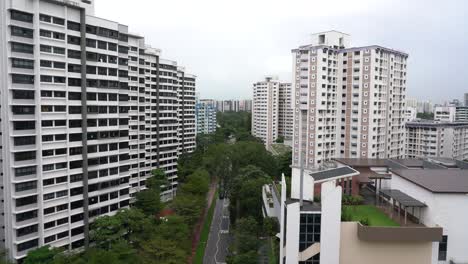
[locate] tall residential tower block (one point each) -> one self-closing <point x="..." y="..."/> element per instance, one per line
<point x="348" y="102"/>
<point x="271" y="110"/>
<point x="88" y="110"/>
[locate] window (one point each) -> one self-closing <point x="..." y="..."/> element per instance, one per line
<point x="23" y="110"/>
<point x="74" y="40"/>
<point x="26" y="230"/>
<point x="59" y="65"/>
<point x="26" y="155"/>
<point x="46" y="48"/>
<point x="46" y="78"/>
<point x="73" y="26"/>
<point x="26" y="216"/>
<point x="46" y="64"/>
<point x="27" y="245"/>
<point x="45" y="18"/>
<point x="45" y="33"/>
<point x="23" y="141"/>
<point x="25" y="186"/>
<point x="26" y="200"/>
<point x="58" y="50"/>
<point x="74" y="68"/>
<point x="102" y="44"/>
<point x="25" y="171"/>
<point x="21" y="16"/>
<point x="58" y="21"/>
<point x="21" y="47"/>
<point x="23" y="94"/>
<point x="21" y="32"/>
<point x="443" y="248"/>
<point x="22" y="63"/>
<point x="74" y="54"/>
<point x="22" y="78"/>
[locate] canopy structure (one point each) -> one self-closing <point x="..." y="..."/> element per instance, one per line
<point x="404" y="201"/>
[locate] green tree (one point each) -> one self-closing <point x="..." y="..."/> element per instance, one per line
<point x="196" y="184"/>
<point x="245" y="193"/>
<point x="425" y="115"/>
<point x="149" y="201"/>
<point x="101" y="256"/>
<point x="284" y="165"/>
<point x="250" y="257"/>
<point x="175" y="228"/>
<point x="162" y="251"/>
<point x="270" y="226"/>
<point x="42" y="255"/>
<point x="189" y="207"/>
<point x="280" y="139"/>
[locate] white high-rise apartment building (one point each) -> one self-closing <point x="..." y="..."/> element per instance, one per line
<point x="348" y="102"/>
<point x="88" y="110"/>
<point x="271" y="110"/>
<point x="426" y="139"/>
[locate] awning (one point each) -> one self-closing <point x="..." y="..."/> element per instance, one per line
<point x="402" y="198"/>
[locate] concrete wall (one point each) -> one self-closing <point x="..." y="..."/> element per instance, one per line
<point x="355" y="251"/>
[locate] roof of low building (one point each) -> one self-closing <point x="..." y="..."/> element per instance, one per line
<point x="437" y="180"/>
<point x="330" y="174"/>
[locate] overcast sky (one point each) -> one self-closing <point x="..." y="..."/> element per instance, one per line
<point x="231" y="44"/>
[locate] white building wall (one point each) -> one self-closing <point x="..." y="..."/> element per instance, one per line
<point x="331" y="220"/>
<point x="444" y="210"/>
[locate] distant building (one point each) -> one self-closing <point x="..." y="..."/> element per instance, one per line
<point x="451" y="113"/>
<point x="444" y="113"/>
<point x="245" y="105"/>
<point x="420" y="106"/>
<point x="466" y="99"/>
<point x="205" y="114"/>
<point x="437" y="139"/>
<point x="233" y="105"/>
<point x="410" y="114"/>
<point x="271" y="110"/>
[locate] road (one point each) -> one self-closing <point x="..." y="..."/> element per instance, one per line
<point x="219" y="238"/>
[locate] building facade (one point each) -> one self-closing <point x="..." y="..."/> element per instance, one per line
<point x="244" y="105"/>
<point x="348" y="102"/>
<point x="88" y="110"/>
<point x="437" y="139"/>
<point x="271" y="110"/>
<point x="451" y="113"/>
<point x="410" y="114"/>
<point x="205" y="113"/>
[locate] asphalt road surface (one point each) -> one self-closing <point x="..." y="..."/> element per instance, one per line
<point x="219" y="238"/>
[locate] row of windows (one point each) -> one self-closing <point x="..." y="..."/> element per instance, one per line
<point x="51" y="19"/>
<point x="51" y="34"/>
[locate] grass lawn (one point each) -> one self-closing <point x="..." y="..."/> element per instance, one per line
<point x="280" y="148"/>
<point x="200" y="253"/>
<point x="375" y="216"/>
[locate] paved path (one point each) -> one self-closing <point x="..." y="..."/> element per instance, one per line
<point x="219" y="238"/>
<point x="201" y="221"/>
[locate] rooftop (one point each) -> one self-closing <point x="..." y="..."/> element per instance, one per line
<point x="335" y="173"/>
<point x="437" y="180"/>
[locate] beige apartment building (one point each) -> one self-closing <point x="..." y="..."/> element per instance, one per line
<point x="348" y="101"/>
<point x="271" y="110"/>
